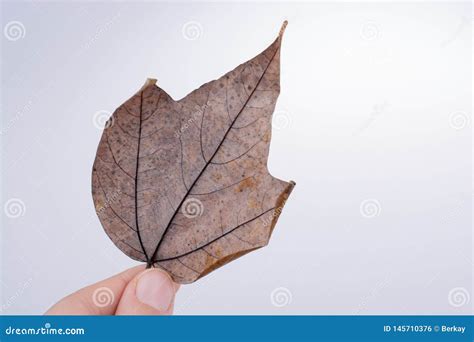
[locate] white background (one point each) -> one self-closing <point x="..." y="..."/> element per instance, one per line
<point x="375" y="105"/>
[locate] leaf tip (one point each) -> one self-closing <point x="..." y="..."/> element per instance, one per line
<point x="148" y="82"/>
<point x="283" y="28"/>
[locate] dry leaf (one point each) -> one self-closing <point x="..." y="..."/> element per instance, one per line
<point x="184" y="185"/>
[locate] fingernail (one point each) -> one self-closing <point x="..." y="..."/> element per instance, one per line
<point x="154" y="288"/>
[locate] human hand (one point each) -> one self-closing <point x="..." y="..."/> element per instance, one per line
<point x="135" y="291"/>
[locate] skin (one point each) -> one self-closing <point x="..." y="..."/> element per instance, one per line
<point x="136" y="291"/>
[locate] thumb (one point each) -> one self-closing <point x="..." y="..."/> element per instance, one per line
<point x="151" y="292"/>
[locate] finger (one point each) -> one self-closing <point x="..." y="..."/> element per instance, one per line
<point x="98" y="299"/>
<point x="151" y="292"/>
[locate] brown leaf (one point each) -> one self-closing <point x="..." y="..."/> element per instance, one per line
<point x="184" y="185"/>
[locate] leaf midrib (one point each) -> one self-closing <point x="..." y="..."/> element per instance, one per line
<point x="136" y="179"/>
<point x="150" y="261"/>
